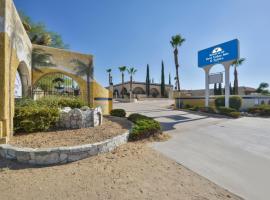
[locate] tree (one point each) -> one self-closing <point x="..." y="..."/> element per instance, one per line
<point x="236" y="63"/>
<point x="110" y="77"/>
<point x="83" y="69"/>
<point x="122" y="70"/>
<point x="263" y="88"/>
<point x="215" y="89"/>
<point x="231" y="89"/>
<point x="176" y="42"/>
<point x="147" y="82"/>
<point x="162" y="85"/>
<point x="39" y="34"/>
<point x="41" y="59"/>
<point x="219" y="89"/>
<point x="170" y="82"/>
<point x="131" y="71"/>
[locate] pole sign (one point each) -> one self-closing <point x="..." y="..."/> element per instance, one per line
<point x="215" y="78"/>
<point x="224" y="52"/>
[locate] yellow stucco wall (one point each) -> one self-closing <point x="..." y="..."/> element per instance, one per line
<point x="16" y="51"/>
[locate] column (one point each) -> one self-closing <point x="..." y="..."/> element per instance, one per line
<point x="206" y="70"/>
<point x="227" y="84"/>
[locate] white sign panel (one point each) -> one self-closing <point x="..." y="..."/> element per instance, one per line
<point x="215" y="78"/>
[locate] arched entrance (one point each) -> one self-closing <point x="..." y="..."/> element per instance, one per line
<point x="56" y="84"/>
<point x="22" y="81"/>
<point x="138" y="90"/>
<point x="154" y="92"/>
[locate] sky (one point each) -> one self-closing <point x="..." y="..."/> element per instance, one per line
<point x="135" y="33"/>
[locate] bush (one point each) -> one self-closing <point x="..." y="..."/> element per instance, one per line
<point x="234" y="114"/>
<point x="224" y="110"/>
<point x="195" y="108"/>
<point x="235" y="102"/>
<point x="61" y="102"/>
<point x="135" y="117"/>
<point x="145" y="128"/>
<point x="207" y="109"/>
<point x="187" y="106"/>
<point x="118" y="112"/>
<point x="262" y="110"/>
<point x="33" y="118"/>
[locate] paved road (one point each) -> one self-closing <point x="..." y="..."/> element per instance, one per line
<point x="234" y="154"/>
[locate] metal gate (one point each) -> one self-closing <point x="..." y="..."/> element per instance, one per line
<point x="56" y="84"/>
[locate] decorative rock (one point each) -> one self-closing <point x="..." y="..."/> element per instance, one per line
<point x="80" y="118"/>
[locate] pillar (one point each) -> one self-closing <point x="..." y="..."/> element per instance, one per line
<point x="227" y="84"/>
<point x="207" y="70"/>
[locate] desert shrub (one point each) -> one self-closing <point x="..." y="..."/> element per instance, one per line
<point x="118" y="112"/>
<point x="34" y="118"/>
<point x="145" y="128"/>
<point x="234" y="114"/>
<point x="135" y="117"/>
<point x="235" y="102"/>
<point x="262" y="110"/>
<point x="61" y="102"/>
<point x="187" y="106"/>
<point x="207" y="109"/>
<point x="195" y="108"/>
<point x="225" y="110"/>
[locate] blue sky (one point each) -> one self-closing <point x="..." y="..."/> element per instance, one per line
<point x="137" y="32"/>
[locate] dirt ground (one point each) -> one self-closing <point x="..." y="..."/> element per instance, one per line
<point x="133" y="171"/>
<point x="111" y="127"/>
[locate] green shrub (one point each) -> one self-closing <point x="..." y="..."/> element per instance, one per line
<point x="118" y="112"/>
<point x="135" y="117"/>
<point x="195" y="108"/>
<point x="235" y="102"/>
<point x="262" y="110"/>
<point x="145" y="128"/>
<point x="234" y="114"/>
<point x="187" y="106"/>
<point x="224" y="110"/>
<point x="207" y="109"/>
<point x="34" y="118"/>
<point x="61" y="102"/>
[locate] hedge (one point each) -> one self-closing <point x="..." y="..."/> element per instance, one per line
<point x="235" y="102"/>
<point x="33" y="118"/>
<point x="262" y="110"/>
<point x="144" y="127"/>
<point x="118" y="112"/>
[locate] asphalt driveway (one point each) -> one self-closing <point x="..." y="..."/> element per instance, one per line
<point x="233" y="153"/>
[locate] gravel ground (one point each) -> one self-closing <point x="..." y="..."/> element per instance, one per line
<point x="133" y="171"/>
<point x="111" y="127"/>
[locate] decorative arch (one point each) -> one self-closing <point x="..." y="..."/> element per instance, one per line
<point x="124" y="91"/>
<point x="138" y="90"/>
<point x="116" y="93"/>
<point x="154" y="92"/>
<point x="25" y="78"/>
<point x="38" y="75"/>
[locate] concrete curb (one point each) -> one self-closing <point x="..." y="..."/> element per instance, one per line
<point x="60" y="155"/>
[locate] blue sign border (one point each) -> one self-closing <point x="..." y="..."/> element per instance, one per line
<point x="220" y="53"/>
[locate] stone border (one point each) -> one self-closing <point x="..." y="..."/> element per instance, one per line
<point x="60" y="155"/>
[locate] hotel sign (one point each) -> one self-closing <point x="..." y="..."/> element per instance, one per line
<point x="224" y="52"/>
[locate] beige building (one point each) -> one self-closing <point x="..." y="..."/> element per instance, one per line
<point x="139" y="89"/>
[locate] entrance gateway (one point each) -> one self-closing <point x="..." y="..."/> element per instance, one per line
<point x="224" y="54"/>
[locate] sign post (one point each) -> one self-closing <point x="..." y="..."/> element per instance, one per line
<point x="224" y="54"/>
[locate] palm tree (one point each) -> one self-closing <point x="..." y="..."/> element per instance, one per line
<point x="176" y="42"/>
<point x="237" y="63"/>
<point x="110" y="77"/>
<point x="122" y="70"/>
<point x="41" y="59"/>
<point x="131" y="71"/>
<point x="82" y="70"/>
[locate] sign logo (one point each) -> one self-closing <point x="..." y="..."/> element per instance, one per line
<point x="227" y="51"/>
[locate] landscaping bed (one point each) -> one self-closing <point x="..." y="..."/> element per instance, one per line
<point x="111" y="127"/>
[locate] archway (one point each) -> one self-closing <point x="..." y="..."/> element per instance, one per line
<point x="56" y="84"/>
<point x="154" y="92"/>
<point x="124" y="91"/>
<point x="115" y="93"/>
<point x="22" y="81"/>
<point x="138" y="90"/>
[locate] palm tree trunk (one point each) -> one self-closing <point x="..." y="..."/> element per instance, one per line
<point x="176" y="68"/>
<point x="88" y="89"/>
<point x="122" y="85"/>
<point x="130" y="86"/>
<point x="235" y="81"/>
